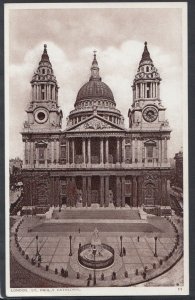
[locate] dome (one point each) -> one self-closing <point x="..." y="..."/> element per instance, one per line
<point x="95" y="89"/>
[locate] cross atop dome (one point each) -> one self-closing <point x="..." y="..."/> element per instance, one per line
<point x="94" y="68"/>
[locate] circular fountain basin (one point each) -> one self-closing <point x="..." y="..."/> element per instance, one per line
<point x="103" y="259"/>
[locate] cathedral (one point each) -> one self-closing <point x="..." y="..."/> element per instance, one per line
<point x="95" y="159"/>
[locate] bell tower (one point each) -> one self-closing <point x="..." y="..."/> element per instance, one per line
<point x="147" y="109"/>
<point x="43" y="111"/>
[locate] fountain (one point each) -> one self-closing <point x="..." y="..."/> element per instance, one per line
<point x="96" y="255"/>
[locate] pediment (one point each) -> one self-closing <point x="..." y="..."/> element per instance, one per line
<point x="95" y="123"/>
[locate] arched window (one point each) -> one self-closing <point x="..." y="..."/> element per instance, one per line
<point x="147" y="69"/>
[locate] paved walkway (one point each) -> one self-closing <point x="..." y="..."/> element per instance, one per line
<point x="55" y="250"/>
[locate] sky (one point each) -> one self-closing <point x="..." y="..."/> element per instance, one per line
<point x="71" y="35"/>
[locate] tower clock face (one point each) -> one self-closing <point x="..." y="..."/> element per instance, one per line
<point x="150" y="114"/>
<point x="41" y="116"/>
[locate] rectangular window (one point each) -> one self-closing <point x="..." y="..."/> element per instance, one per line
<point x="63" y="152"/>
<point x="150" y="151"/>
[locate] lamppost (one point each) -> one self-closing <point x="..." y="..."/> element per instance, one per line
<point x="155" y="250"/>
<point x="37" y="252"/>
<point x="94" y="277"/>
<point x="70" y="238"/>
<point x="121" y="238"/>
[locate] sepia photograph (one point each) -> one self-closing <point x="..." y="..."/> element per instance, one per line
<point x="96" y="149"/>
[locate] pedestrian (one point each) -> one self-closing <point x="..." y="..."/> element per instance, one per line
<point x="124" y="251"/>
<point x="88" y="282"/>
<point x="138" y="239"/>
<point x="79" y="230"/>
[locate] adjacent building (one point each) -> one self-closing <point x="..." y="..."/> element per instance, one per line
<point x="95" y="155"/>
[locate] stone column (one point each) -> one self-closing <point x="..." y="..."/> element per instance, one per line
<point x="83" y="150"/>
<point x="123" y="150"/>
<point x="118" y="191"/>
<point x="107" y="191"/>
<point x="164" y="191"/>
<point x="73" y="151"/>
<point x="136" y="91"/>
<point x="37" y="157"/>
<point x="45" y="152"/>
<point x="84" y="192"/>
<point x="101" y="191"/>
<point x="89" y="191"/>
<point x="123" y="192"/>
<point x="162" y="150"/>
<point x="165" y="150"/>
<point x="117" y="150"/>
<point x="67" y="152"/>
<point x="24" y="157"/>
<point x="101" y="151"/>
<point x="107" y="151"/>
<point x="158" y="88"/>
<point x="139" y="190"/>
<point x="37" y="92"/>
<point x="89" y="151"/>
<point x="156" y="95"/>
<point x="57" y="151"/>
<point x="134" y="191"/>
<point x="32" y="94"/>
<point x="153" y="91"/>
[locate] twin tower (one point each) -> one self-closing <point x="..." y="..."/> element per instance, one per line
<point x="105" y="162"/>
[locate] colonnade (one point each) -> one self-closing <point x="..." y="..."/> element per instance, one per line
<point x="142" y="88"/>
<point x="116" y="185"/>
<point x="49" y="92"/>
<point x="108" y="150"/>
<point x="104" y="145"/>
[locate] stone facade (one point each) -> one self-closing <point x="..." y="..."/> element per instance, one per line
<point x="95" y="155"/>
